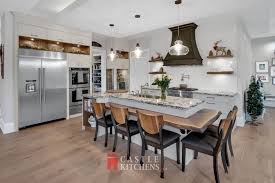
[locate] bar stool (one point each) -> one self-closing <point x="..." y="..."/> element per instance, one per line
<point x="153" y="134"/>
<point x="101" y="119"/>
<point x="124" y="126"/>
<point x="207" y="144"/>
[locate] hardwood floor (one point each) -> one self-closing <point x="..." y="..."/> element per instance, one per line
<point x="60" y="152"/>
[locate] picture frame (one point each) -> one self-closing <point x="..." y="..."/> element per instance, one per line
<point x="263" y="77"/>
<point x="272" y="71"/>
<point x="262" y="67"/>
<point x="273" y="81"/>
<point x="273" y="61"/>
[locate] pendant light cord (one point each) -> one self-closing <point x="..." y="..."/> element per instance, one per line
<point x="178" y="9"/>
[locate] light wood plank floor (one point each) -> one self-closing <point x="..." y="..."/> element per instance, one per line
<point x="60" y="152"/>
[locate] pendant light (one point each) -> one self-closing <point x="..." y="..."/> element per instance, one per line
<point x="138" y="50"/>
<point x="178" y="48"/>
<point x="112" y="54"/>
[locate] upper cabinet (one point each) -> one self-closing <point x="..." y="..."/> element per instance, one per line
<point x="53" y="35"/>
<point x="81" y="40"/>
<point x="32" y="31"/>
<point x="59" y="36"/>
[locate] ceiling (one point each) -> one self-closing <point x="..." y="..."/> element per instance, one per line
<point x="96" y="15"/>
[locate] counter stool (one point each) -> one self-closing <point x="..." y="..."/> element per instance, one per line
<point x="207" y="144"/>
<point x="153" y="134"/>
<point x="101" y="119"/>
<point x="124" y="126"/>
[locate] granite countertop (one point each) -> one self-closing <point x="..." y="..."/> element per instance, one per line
<point x="173" y="102"/>
<point x="204" y="91"/>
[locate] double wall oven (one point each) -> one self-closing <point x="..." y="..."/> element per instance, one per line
<point x="79" y="86"/>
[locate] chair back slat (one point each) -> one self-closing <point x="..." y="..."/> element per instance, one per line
<point x="151" y="124"/>
<point x="120" y="114"/>
<point x="98" y="109"/>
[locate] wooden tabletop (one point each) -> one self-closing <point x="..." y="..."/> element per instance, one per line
<point x="197" y="122"/>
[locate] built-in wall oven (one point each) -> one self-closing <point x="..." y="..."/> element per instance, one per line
<point x="79" y="77"/>
<point x="79" y="86"/>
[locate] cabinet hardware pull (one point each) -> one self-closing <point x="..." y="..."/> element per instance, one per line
<point x="210" y="103"/>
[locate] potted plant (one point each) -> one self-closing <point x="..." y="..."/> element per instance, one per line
<point x="255" y="106"/>
<point x="163" y="84"/>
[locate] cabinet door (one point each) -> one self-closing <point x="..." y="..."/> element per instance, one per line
<point x="59" y="36"/>
<point x="80" y="61"/>
<point x="32" y="31"/>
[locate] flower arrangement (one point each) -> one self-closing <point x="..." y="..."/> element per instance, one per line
<point x="163" y="84"/>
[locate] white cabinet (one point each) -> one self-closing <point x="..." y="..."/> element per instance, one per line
<point x="32" y="31"/>
<point x="79" y="61"/>
<point x="59" y="36"/>
<point x="82" y="40"/>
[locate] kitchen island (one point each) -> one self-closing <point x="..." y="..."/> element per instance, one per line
<point x="177" y="113"/>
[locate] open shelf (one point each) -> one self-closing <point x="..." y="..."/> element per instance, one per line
<point x="220" y="72"/>
<point x="222" y="56"/>
<point x="156" y="60"/>
<point x="157" y="72"/>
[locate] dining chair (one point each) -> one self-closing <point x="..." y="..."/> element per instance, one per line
<point x="153" y="134"/>
<point x="123" y="125"/>
<point x="207" y="144"/>
<point x="102" y="119"/>
<point x="213" y="131"/>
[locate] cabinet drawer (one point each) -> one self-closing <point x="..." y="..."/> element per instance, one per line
<point x="32" y="31"/>
<point x="213" y="98"/>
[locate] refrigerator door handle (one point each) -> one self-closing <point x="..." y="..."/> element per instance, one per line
<point x="43" y="86"/>
<point x="39" y="84"/>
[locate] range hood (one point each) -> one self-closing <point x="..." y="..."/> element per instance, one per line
<point x="187" y="35"/>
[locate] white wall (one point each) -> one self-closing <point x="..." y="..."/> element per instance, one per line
<point x="263" y="50"/>
<point x="8" y="92"/>
<point x="208" y="31"/>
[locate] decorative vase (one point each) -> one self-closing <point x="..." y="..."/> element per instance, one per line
<point x="163" y="94"/>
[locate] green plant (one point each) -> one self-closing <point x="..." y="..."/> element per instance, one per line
<point x="163" y="84"/>
<point x="254" y="99"/>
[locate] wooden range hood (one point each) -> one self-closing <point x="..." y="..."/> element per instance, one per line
<point x="187" y="35"/>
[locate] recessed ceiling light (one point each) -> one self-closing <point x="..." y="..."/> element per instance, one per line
<point x="32" y="39"/>
<point x="57" y="42"/>
<point x="78" y="45"/>
<point x="137" y="16"/>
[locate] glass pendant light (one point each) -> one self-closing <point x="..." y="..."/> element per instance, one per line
<point x="112" y="54"/>
<point x="138" y="50"/>
<point x="178" y="48"/>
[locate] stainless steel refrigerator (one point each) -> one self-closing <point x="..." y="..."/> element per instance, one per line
<point x="42" y="86"/>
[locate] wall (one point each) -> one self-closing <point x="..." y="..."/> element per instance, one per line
<point x="263" y="49"/>
<point x="7" y="85"/>
<point x="208" y="31"/>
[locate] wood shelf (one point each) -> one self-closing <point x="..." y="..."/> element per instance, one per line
<point x="222" y="56"/>
<point x="220" y="72"/>
<point x="157" y="72"/>
<point x="156" y="60"/>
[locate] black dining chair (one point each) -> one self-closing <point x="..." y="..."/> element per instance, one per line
<point x="153" y="134"/>
<point x="124" y="126"/>
<point x="102" y="119"/>
<point x="213" y="131"/>
<point x="207" y="144"/>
